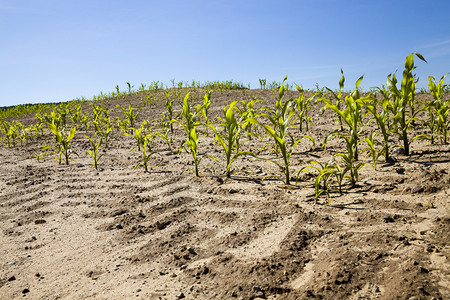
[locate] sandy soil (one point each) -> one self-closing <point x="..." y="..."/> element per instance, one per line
<point x="72" y="232"/>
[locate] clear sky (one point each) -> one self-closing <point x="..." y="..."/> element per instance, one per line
<point x="56" y="50"/>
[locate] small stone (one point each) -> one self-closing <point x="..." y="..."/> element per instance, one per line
<point x="119" y="226"/>
<point x="260" y="294"/>
<point x="400" y="170"/>
<point x="180" y="296"/>
<point x="39" y="221"/>
<point x="417" y="189"/>
<point x="192" y="251"/>
<point x="256" y="288"/>
<point x="377" y="289"/>
<point x="436" y="219"/>
<point x="388" y="219"/>
<point x="11" y="263"/>
<point x="12" y="278"/>
<point x="160" y="226"/>
<point x="232" y="191"/>
<point x="138" y="290"/>
<point x="25" y="291"/>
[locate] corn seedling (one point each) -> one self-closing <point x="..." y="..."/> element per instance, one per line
<point x="249" y="111"/>
<point x="383" y="122"/>
<point x="338" y="98"/>
<point x="352" y="117"/>
<point x="130" y="118"/>
<point x="281" y="119"/>
<point x="229" y="140"/>
<point x="130" y="88"/>
<point x="205" y="108"/>
<point x="439" y="108"/>
<point x="301" y="108"/>
<point x="168" y="115"/>
<point x="139" y="135"/>
<point x="189" y="121"/>
<point x="11" y="132"/>
<point x="147" y="151"/>
<point x="262" y="83"/>
<point x="94" y="153"/>
<point x="371" y="141"/>
<point x="62" y="148"/>
<point x="322" y="173"/>
<point x="104" y="127"/>
<point x="403" y="98"/>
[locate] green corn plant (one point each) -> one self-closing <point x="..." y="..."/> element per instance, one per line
<point x="104" y="126"/>
<point x="38" y="129"/>
<point x="26" y="134"/>
<point x="249" y="111"/>
<point x="147" y="151"/>
<point x="57" y="118"/>
<point x="439" y="108"/>
<point x="229" y="139"/>
<point x="94" y="153"/>
<point x="168" y="115"/>
<point x="404" y="98"/>
<point x="431" y="123"/>
<point x="375" y="154"/>
<point x="281" y="119"/>
<point x="383" y="121"/>
<point x="62" y="139"/>
<point x="130" y="88"/>
<point x="130" y="117"/>
<point x="168" y="139"/>
<point x="350" y="163"/>
<point x="139" y="135"/>
<point x="12" y="132"/>
<point x="351" y="116"/>
<point x="262" y="83"/>
<point x="322" y="174"/>
<point x="189" y="121"/>
<point x="338" y="98"/>
<point x="76" y="115"/>
<point x="40" y="123"/>
<point x="205" y="108"/>
<point x="301" y="108"/>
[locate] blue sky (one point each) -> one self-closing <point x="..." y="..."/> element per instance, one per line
<point x="54" y="50"/>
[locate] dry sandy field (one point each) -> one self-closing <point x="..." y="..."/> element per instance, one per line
<point x="74" y="232"/>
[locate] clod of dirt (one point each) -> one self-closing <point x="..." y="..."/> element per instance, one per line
<point x="417" y="189"/>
